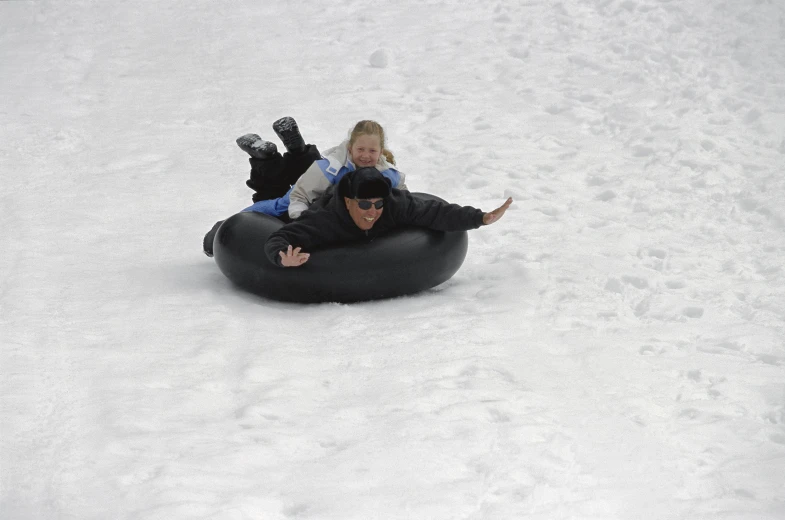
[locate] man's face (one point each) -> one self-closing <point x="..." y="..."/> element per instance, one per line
<point x="364" y="218"/>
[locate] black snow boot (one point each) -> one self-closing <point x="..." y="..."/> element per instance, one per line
<point x="207" y="243"/>
<point x="287" y="131"/>
<point x="256" y="147"/>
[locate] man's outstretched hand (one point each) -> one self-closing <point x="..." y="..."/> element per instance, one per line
<point x="293" y="258"/>
<point x="493" y="216"/>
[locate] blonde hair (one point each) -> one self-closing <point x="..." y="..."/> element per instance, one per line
<point x="368" y="127"/>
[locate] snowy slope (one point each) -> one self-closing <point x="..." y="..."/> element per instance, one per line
<point x="614" y="348"/>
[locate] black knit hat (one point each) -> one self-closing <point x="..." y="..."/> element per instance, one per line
<point x="365" y="183"/>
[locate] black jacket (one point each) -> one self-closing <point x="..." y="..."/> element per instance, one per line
<point x="330" y="223"/>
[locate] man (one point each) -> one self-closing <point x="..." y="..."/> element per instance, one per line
<point x="363" y="207"/>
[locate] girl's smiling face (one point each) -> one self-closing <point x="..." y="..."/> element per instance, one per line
<point x="365" y="150"/>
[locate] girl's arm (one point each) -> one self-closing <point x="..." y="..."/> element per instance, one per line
<point x="310" y="186"/>
<point x="402" y="183"/>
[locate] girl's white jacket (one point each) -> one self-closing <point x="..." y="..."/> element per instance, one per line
<point x="328" y="170"/>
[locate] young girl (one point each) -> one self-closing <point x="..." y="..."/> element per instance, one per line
<point x="365" y="147"/>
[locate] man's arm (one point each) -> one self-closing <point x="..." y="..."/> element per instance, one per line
<point x="313" y="229"/>
<point x="443" y="216"/>
<point x="435" y="214"/>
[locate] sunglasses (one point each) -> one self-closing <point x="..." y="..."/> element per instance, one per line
<point x="366" y="204"/>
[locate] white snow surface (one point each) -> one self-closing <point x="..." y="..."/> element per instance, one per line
<point x="613" y="348"/>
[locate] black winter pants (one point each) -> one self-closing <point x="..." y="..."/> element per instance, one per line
<point x="271" y="178"/>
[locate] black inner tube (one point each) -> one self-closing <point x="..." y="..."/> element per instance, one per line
<point x="404" y="261"/>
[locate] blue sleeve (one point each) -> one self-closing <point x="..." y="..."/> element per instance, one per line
<point x="393" y="175"/>
<point x="273" y="207"/>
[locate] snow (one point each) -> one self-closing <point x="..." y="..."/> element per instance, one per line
<point x="613" y="348"/>
<point x="379" y="59"/>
